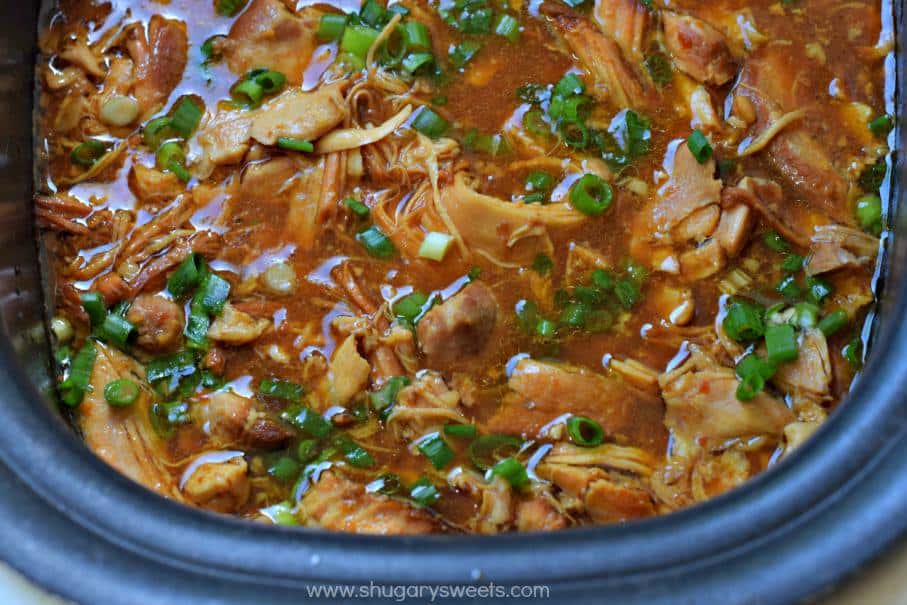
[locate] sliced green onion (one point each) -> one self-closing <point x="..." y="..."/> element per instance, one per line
<point x="398" y="9"/>
<point x="156" y="132"/>
<point x="584" y="431"/>
<point x="424" y="493"/>
<point x="569" y="85"/>
<point x="511" y="470"/>
<point x="358" y="39"/>
<point x="546" y="329"/>
<point x="789" y="288"/>
<point x="487" y="450"/>
<point x="416" y="61"/>
<point x="209" y="51"/>
<point x="121" y="392"/>
<point x="574" y="315"/>
<point x="355" y="454"/>
<point x="387" y="484"/>
<point x="409" y="308"/>
<point x="384" y="398"/>
<point x="171" y="157"/>
<point x="284" y="470"/>
<point x="699" y="147"/>
<point x="818" y="289"/>
<point x="539" y="181"/>
<point x="599" y="320"/>
<point x="281" y="389"/>
<point x="376" y="243"/>
<point x="186" y="277"/>
<point x="186" y="117"/>
<point x="602" y="280"/>
<point x="248" y="93"/>
<point x="853" y="353"/>
<point x="197" y="325"/>
<point x="869" y="213"/>
<point x="417" y="36"/>
<point x="93" y="303"/>
<point x="435" y="245"/>
<point x="881" y="126"/>
<point x="373" y="13"/>
<point x="792" y="263"/>
<point x="775" y="242"/>
<point x="331" y="26"/>
<point x="430" y="124"/>
<point x="229" y="8"/>
<point x="627" y="293"/>
<point x="436" y="450"/>
<point x="88" y="153"/>
<point x="295" y="145"/>
<point x="833" y="322"/>
<point x="212" y="293"/>
<point x="475" y="20"/>
<point x="308" y="421"/>
<point x="271" y="81"/>
<point x="307" y="449"/>
<point x="464" y="52"/>
<point x="356" y="207"/>
<point x="73" y="389"/>
<point x="781" y="343"/>
<point x="508" y="27"/>
<point x="873" y="176"/>
<point x="173" y="366"/>
<point x="542" y="264"/>
<point x="528" y="314"/>
<point x="806" y="315"/>
<point x="115" y="329"/>
<point x="466" y="431"/>
<point x="534" y="122"/>
<point x="394" y="48"/>
<point x="591" y="195"/>
<point x="744" y="321"/>
<point x="575" y="134"/>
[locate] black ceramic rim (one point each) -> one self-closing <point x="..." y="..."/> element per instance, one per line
<point x="76" y="527"/>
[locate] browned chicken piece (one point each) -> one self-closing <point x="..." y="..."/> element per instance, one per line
<point x="268" y="35"/>
<point x="160" y="58"/>
<point x="768" y="82"/>
<point x="835" y="246"/>
<point x="123" y="436"/>
<point x="539" y="513"/>
<point x="690" y="187"/>
<point x="230" y="419"/>
<point x="494" y="501"/>
<point x="544" y="391"/>
<point x="340" y="504"/>
<point x="220" y="486"/>
<point x="224" y="139"/>
<point x="509" y="233"/>
<point x="605" y="498"/>
<point x="297" y="114"/>
<point x="158" y="322"/>
<point x="734" y="228"/>
<point x="234" y="327"/>
<point x="715" y="475"/>
<point x="154" y="187"/>
<point x="428" y="402"/>
<point x="349" y="371"/>
<point x="698" y="49"/>
<point x="809" y="376"/>
<point x="702" y="404"/>
<point x="614" y="79"/>
<point x="625" y="22"/>
<point x="460" y="326"/>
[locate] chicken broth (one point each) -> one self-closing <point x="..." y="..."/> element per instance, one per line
<point x="458" y="266"/>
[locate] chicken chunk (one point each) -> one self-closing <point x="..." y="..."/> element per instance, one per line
<point x="834" y="247"/>
<point x="605" y="498"/>
<point x="544" y="391"/>
<point x="702" y="404"/>
<point x="614" y="79"/>
<point x="460" y="326"/>
<point x="229" y="419"/>
<point x="235" y="327"/>
<point x="220" y="486"/>
<point x="340" y="504"/>
<point x="160" y="58"/>
<point x="539" y="513"/>
<point x="428" y="402"/>
<point x="268" y="35"/>
<point x="158" y="323"/>
<point x="298" y="114"/>
<point x="494" y="501"/>
<point x="123" y="436"/>
<point x="349" y="371"/>
<point x="698" y="49"/>
<point x="154" y="187"/>
<point x="625" y="22"/>
<point x="809" y="376"/>
<point x="224" y="140"/>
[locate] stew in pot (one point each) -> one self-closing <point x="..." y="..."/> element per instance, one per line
<point x="458" y="265"/>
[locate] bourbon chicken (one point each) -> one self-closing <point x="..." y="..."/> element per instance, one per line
<point x="462" y="267"/>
